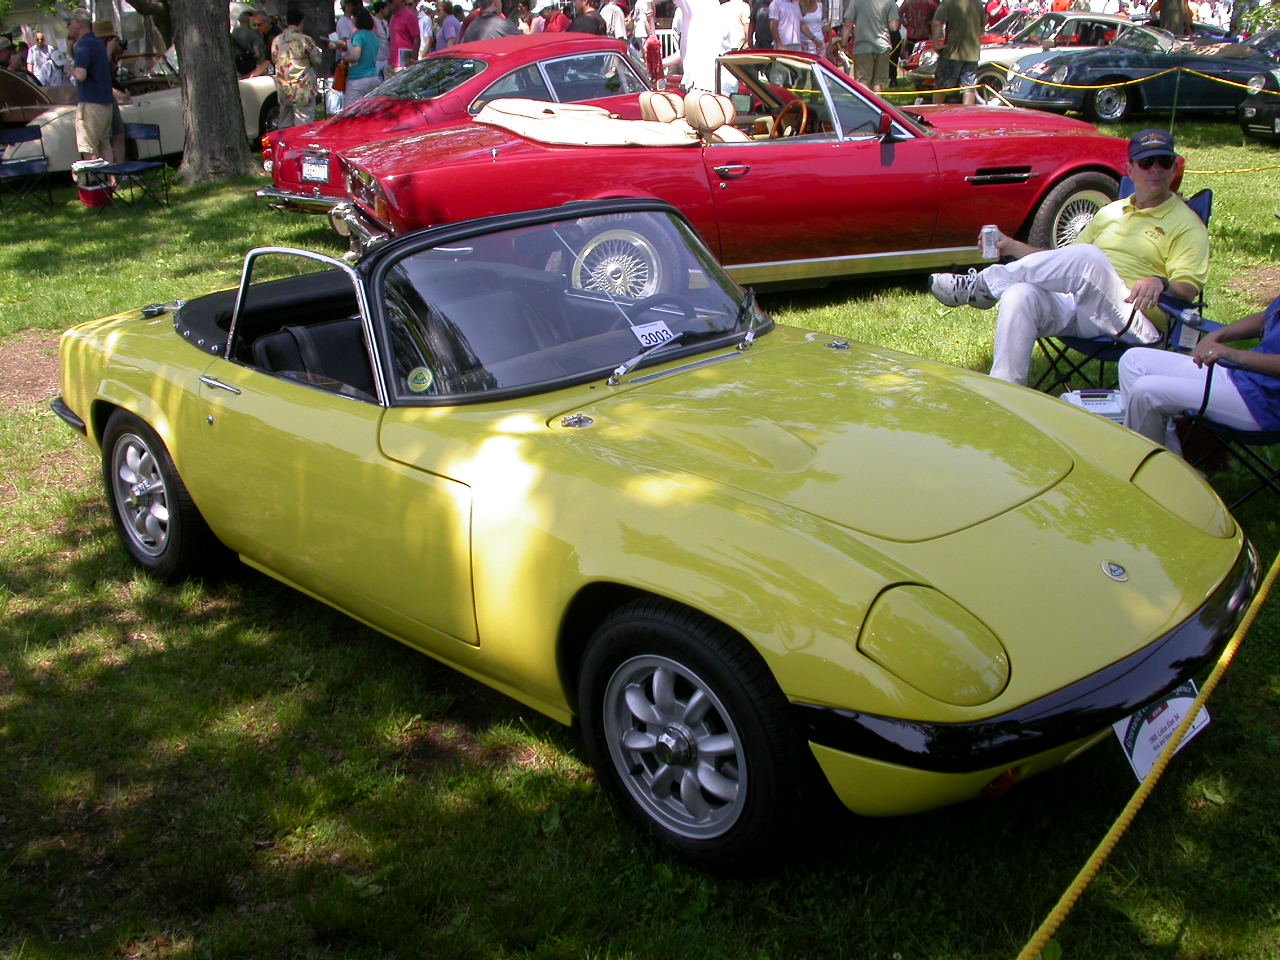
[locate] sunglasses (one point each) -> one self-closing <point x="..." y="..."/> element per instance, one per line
<point x="1166" y="163"/>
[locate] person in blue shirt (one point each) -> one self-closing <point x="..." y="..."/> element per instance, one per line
<point x="1159" y="385"/>
<point x="92" y="74"/>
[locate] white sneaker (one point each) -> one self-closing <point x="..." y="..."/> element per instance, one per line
<point x="961" y="289"/>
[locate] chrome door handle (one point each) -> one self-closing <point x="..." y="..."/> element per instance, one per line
<point x="732" y="171"/>
<point x="219" y="385"/>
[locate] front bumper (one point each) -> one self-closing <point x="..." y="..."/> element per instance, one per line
<point x="293" y="202"/>
<point x="930" y="764"/>
<point x="362" y="233"/>
<point x="1259" y="116"/>
<point x="1037" y="96"/>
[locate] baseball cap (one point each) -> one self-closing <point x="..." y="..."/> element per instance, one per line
<point x="1151" y="143"/>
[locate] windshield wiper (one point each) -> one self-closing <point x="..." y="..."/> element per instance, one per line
<point x="627" y="365"/>
<point x="747" y="311"/>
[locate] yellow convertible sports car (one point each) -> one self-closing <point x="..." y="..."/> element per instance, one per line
<point x="563" y="453"/>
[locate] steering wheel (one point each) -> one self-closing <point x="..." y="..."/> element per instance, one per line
<point x="795" y="106"/>
<point x="682" y="303"/>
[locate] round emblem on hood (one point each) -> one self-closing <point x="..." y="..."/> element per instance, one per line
<point x="1115" y="571"/>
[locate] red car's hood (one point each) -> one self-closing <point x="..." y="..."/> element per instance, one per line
<point x="1007" y="121"/>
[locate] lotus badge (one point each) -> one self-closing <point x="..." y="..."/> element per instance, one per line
<point x="1114" y="571"/>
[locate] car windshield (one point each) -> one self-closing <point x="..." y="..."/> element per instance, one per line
<point x="137" y="66"/>
<point x="431" y="78"/>
<point x="547" y="305"/>
<point x="1144" y="38"/>
<point x="1268" y="43"/>
<point x="1040" y="29"/>
<point x="762" y="86"/>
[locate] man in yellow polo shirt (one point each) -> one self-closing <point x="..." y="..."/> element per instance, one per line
<point x="1133" y="251"/>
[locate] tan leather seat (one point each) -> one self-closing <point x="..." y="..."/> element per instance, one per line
<point x="660" y="106"/>
<point x="712" y="116"/>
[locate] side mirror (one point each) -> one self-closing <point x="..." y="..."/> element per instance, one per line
<point x="886" y="127"/>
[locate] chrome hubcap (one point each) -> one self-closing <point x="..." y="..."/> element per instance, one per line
<point x="618" y="262"/>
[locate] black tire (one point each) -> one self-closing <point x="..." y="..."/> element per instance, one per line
<point x="1070" y="205"/>
<point x="159" y="526"/>
<point x="719" y="783"/>
<point x="995" y="79"/>
<point x="1111" y="104"/>
<point x="626" y="262"/>
<point x="268" y="116"/>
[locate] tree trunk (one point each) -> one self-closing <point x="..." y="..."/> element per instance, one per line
<point x="215" y="146"/>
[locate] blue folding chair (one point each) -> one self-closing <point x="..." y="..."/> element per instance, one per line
<point x="1239" y="446"/>
<point x="135" y="181"/>
<point x="21" y="179"/>
<point x="1071" y="357"/>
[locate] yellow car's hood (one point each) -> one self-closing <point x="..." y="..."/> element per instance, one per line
<point x="901" y="452"/>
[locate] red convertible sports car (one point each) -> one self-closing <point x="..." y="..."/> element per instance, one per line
<point x="446" y="88"/>
<point x="799" y="175"/>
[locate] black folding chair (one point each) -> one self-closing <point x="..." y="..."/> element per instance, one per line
<point x="1086" y="358"/>
<point x="135" y="181"/>
<point x="1241" y="446"/>
<point x="21" y="179"/>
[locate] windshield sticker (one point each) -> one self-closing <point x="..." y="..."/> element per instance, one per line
<point x="652" y="334"/>
<point x="420" y="379"/>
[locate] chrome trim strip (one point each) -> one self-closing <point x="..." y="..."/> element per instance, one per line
<point x="827" y="268"/>
<point x="697" y="364"/>
<point x="1000" y="178"/>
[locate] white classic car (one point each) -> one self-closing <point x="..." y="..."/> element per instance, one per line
<point x="155" y="95"/>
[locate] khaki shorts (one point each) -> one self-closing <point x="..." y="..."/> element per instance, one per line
<point x="871" y="69"/>
<point x="93" y="129"/>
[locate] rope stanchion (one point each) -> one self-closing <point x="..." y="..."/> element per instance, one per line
<point x="1093" y="865"/>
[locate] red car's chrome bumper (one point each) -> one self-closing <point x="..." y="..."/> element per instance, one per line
<point x="293" y="202"/>
<point x="363" y="233"/>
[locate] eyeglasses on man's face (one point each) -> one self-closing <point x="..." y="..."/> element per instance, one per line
<point x="1165" y="163"/>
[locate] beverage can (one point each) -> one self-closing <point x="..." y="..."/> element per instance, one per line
<point x="988" y="239"/>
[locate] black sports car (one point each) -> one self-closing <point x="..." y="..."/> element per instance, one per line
<point x="1259" y="112"/>
<point x="1140" y="54"/>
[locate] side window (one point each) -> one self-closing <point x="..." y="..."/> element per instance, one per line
<point x="591" y="77"/>
<point x="526" y="82"/>
<point x="857" y="117"/>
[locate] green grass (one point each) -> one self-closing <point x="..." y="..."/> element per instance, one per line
<point x="229" y="769"/>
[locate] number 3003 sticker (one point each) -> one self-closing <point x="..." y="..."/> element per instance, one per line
<point x="652" y="334"/>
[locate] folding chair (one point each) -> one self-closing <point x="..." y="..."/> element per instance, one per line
<point x="1241" y="446"/>
<point x="1071" y="357"/>
<point x="21" y="179"/>
<point x="135" y="181"/>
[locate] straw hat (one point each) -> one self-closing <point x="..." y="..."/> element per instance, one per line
<point x="104" y="29"/>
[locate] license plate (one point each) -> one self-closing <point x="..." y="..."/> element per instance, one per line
<point x="315" y="168"/>
<point x="1143" y="736"/>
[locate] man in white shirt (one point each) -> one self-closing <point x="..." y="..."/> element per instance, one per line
<point x="615" y="21"/>
<point x="642" y="23"/>
<point x="737" y="23"/>
<point x="42" y="62"/>
<point x="784" y="22"/>
<point x="426" y="29"/>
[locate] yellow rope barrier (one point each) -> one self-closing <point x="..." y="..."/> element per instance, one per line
<point x="1059" y="913"/>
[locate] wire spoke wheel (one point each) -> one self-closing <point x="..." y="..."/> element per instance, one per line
<point x="678" y="745"/>
<point x="622" y="263"/>
<point x="1074" y="215"/>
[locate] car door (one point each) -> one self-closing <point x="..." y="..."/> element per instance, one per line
<point x="289" y="472"/>
<point x="841" y="199"/>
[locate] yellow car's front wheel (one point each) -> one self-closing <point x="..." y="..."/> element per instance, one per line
<point x="688" y="730"/>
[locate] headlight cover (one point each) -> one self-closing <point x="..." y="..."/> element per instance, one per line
<point x="932" y="643"/>
<point x="1257" y="83"/>
<point x="1167" y="480"/>
<point x="1059" y="75"/>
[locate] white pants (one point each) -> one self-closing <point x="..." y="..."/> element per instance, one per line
<point x="1072" y="290"/>
<point x="1158" y="385"/>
